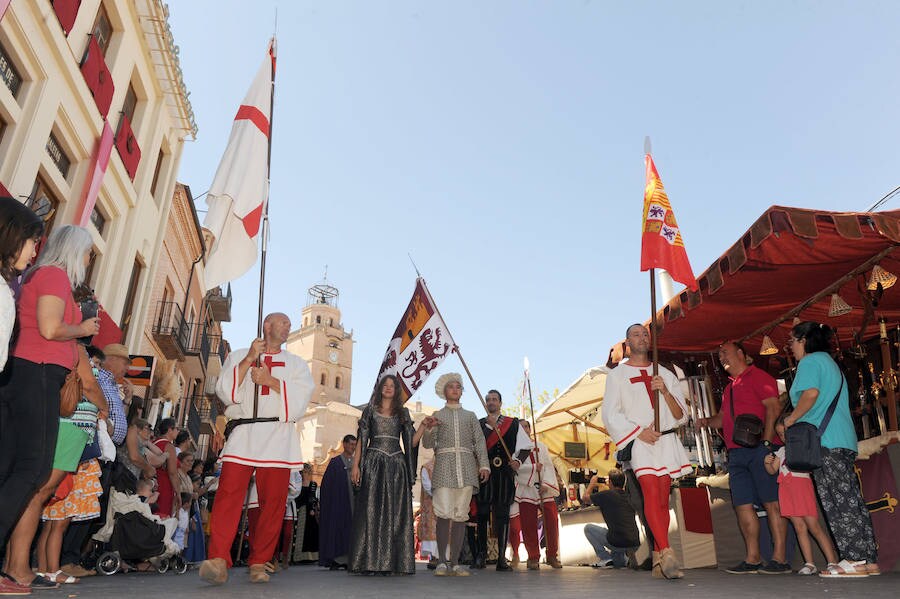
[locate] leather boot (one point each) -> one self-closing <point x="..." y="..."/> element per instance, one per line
<point x="514" y="560"/>
<point x="553" y="561"/>
<point x="533" y="564"/>
<point x="657" y="569"/>
<point x="502" y="542"/>
<point x="481" y="545"/>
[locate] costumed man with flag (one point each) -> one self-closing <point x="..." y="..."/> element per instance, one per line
<point x="507" y="447"/>
<point x="266" y="446"/>
<point x="639" y="423"/>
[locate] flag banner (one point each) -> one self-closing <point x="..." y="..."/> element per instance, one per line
<point x="237" y="196"/>
<point x="661" y="242"/>
<point x="419" y="344"/>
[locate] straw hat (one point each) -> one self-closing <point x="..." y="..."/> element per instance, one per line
<point x="445" y="380"/>
<point x="118" y="350"/>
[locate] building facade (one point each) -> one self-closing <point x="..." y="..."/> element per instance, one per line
<point x="93" y="118"/>
<point x="183" y="337"/>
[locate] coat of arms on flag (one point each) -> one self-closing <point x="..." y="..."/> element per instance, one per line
<point x="420" y="342"/>
<point x="662" y="245"/>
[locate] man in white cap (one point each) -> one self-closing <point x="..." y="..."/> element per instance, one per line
<point x="460" y="465"/>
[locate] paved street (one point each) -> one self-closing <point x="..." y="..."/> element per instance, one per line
<point x="580" y="582"/>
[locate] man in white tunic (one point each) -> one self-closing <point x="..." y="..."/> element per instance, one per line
<point x="267" y="446"/>
<point x="656" y="456"/>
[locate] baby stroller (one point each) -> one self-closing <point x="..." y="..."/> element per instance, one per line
<point x="133" y="534"/>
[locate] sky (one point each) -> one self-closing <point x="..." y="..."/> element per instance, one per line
<point x="500" y="144"/>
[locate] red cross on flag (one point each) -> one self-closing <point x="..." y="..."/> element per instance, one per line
<point x="661" y="243"/>
<point x="420" y="342"/>
<point x="239" y="191"/>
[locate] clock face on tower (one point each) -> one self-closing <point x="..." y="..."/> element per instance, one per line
<point x="333" y="357"/>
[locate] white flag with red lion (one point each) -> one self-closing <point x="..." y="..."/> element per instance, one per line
<point x="419" y="344"/>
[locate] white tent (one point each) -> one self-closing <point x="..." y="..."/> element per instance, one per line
<point x="574" y="416"/>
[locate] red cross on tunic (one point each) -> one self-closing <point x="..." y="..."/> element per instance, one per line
<point x="269" y="362"/>
<point x="646" y="379"/>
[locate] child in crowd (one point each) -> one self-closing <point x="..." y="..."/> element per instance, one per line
<point x="797" y="499"/>
<point x="184" y="520"/>
<point x="145" y="491"/>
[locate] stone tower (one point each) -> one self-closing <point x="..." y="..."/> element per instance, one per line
<point x="328" y="349"/>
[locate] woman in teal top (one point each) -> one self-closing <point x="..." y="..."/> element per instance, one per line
<point x="817" y="381"/>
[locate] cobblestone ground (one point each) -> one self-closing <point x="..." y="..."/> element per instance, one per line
<point x="580" y="582"/>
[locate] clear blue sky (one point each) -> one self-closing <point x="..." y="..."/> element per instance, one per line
<point x="500" y="143"/>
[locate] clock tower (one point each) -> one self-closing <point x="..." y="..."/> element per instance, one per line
<point x="328" y="349"/>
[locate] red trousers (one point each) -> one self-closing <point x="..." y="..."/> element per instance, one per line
<point x="271" y="488"/>
<point x="656" y="507"/>
<point x="526" y="524"/>
<point x="284" y="537"/>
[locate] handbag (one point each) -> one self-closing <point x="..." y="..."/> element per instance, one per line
<point x="803" y="440"/>
<point x="71" y="391"/>
<point x="748" y="428"/>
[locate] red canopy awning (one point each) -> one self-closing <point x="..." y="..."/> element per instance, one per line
<point x="788" y="264"/>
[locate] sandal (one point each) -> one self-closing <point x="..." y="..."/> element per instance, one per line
<point x="873" y="569"/>
<point x="845" y="569"/>
<point x="55" y="577"/>
<point x="808" y="569"/>
<point x="42" y="582"/>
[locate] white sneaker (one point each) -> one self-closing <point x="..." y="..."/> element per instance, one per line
<point x="460" y="571"/>
<point x="442" y="570"/>
<point x="808" y="570"/>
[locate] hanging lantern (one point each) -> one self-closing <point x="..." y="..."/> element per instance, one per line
<point x="838" y="306"/>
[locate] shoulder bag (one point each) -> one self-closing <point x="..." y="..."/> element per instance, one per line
<point x="748" y="428"/>
<point x="803" y="440"/>
<point x="71" y="391"/>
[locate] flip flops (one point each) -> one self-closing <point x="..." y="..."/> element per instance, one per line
<point x="55" y="577"/>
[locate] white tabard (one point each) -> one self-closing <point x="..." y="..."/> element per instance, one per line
<point x="627" y="410"/>
<point x="527" y="479"/>
<point x="266" y="444"/>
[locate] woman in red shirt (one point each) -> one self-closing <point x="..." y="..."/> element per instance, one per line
<point x="44" y="353"/>
<point x="167" y="475"/>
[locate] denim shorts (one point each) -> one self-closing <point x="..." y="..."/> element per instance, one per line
<point x="747" y="476"/>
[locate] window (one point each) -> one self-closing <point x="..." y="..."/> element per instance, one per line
<point x="58" y="155"/>
<point x="130" y="103"/>
<point x="9" y="74"/>
<point x="44" y="203"/>
<point x="322" y="380"/>
<point x="98" y="220"/>
<point x="337" y="382"/>
<point x="2" y="127"/>
<point x="156" y="171"/>
<point x="102" y="29"/>
<point x="130" y="297"/>
<point x="318" y="320"/>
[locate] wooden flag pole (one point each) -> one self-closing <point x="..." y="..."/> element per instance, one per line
<point x="464" y="365"/>
<point x="536" y="452"/>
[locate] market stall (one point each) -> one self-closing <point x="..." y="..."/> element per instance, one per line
<point x="795" y="265"/>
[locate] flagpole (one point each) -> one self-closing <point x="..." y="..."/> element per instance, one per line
<point x="655" y="350"/>
<point x="464" y="365"/>
<point x="265" y="227"/>
<point x="262" y="285"/>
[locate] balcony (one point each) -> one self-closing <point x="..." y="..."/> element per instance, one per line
<point x="196" y="352"/>
<point x="208" y="409"/>
<point x="219" y="303"/>
<point x="170" y="331"/>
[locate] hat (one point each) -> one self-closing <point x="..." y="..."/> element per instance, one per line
<point x="445" y="380"/>
<point x="118" y="350"/>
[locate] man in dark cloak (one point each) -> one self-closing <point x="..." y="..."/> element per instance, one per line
<point x="336" y="508"/>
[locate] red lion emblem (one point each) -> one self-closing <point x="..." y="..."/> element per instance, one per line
<point x="419" y="364"/>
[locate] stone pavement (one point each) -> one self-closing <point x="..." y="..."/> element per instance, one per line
<point x="575" y="582"/>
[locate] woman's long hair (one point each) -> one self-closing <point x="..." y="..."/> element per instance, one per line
<point x="65" y="248"/>
<point x="817" y="336"/>
<point x="18" y="224"/>
<point x="396" y="403"/>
